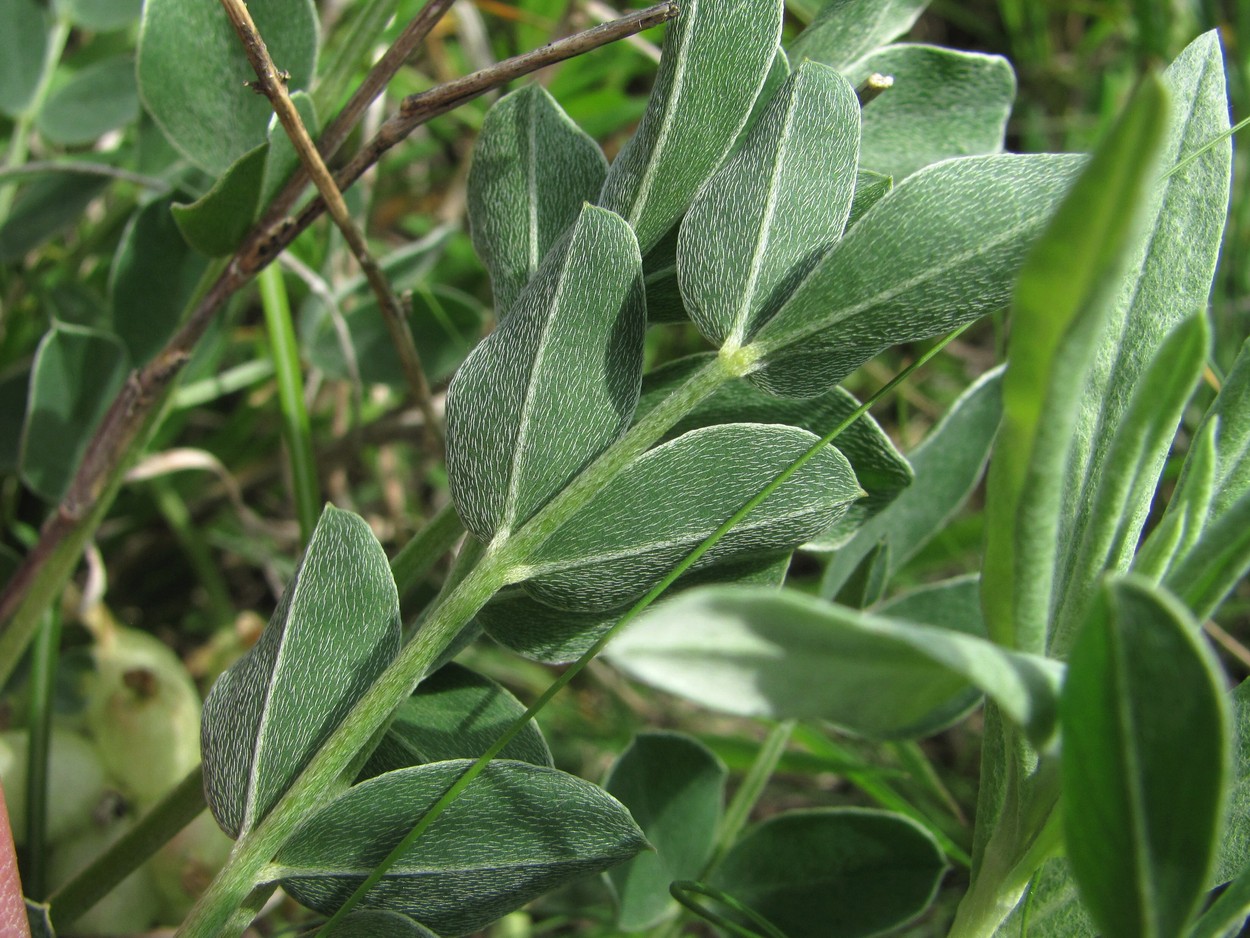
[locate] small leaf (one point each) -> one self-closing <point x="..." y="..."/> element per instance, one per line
<point x="44" y="209"/>
<point x="716" y="58"/>
<point x="23" y="53"/>
<point x="661" y="506"/>
<point x="216" y="223"/>
<point x="940" y="250"/>
<point x="765" y="219"/>
<point x="194" y="90"/>
<point x="834" y="872"/>
<point x="516" y="832"/>
<point x="101" y="15"/>
<point x="76" y="373"/>
<point x="455" y="713"/>
<point x="674" y="787"/>
<point x="554" y="385"/>
<point x="1144" y="719"/>
<point x="99" y="98"/>
<point x="942" y="104"/>
<point x="282" y="159"/>
<point x="335" y="630"/>
<point x="532" y="170"/>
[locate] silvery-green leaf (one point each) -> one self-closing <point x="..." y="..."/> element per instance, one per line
<point x="785" y="655"/>
<point x="942" y="249"/>
<point x="942" y="103"/>
<point x="101" y="15"/>
<point x="554" y="384"/>
<point x="870" y="188"/>
<point x="532" y="170"/>
<point x="1051" y="909"/>
<point x="665" y="503"/>
<point x="100" y="97"/>
<point x="23" y="53"/>
<point x="1216" y="562"/>
<point x="847" y="30"/>
<point x="1186" y="516"/>
<point x="659" y="272"/>
<point x="716" y="58"/>
<point x="375" y="923"/>
<point x="335" y="630"/>
<point x="517" y="831"/>
<point x="1232" y="409"/>
<point x="769" y="215"/>
<point x="776" y="77"/>
<point x="1234" y="853"/>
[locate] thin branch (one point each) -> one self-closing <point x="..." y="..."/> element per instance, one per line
<point x="272" y="85"/>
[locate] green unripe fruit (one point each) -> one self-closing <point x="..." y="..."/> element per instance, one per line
<point x="76" y="782"/>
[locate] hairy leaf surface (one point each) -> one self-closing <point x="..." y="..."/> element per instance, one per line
<point x="216" y="223"/>
<point x="847" y="30"/>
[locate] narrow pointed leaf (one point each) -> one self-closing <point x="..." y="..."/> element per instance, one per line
<point x="674" y="787"/>
<point x="1061" y="304"/>
<point x="1232" y="410"/>
<point x="335" y="630"/>
<point x="768" y="216"/>
<point x="1187" y="510"/>
<point x="532" y="170"/>
<point x="847" y="30"/>
<point x="1144" y="720"/>
<point x="1216" y="562"/>
<point x="554" y="384"/>
<point x="1234" y="852"/>
<point x="518" y="831"/>
<point x="716" y="58"/>
<point x="783" y="655"/>
<point x="664" y="504"/>
<point x="216" y="223"/>
<point x="942" y="249"/>
<point x="834" y="872"/>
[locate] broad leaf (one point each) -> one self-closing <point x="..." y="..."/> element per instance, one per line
<point x="516" y="832"/>
<point x="194" y="90"/>
<point x="455" y="713"/>
<point x="716" y="58"/>
<point x="674" y="787"/>
<point x="942" y="104"/>
<point x="216" y="223"/>
<point x="281" y="160"/>
<point x="834" y="872"/>
<point x="372" y="923"/>
<point x="44" y="209"/>
<point x="947" y="467"/>
<point x="554" y="385"/>
<point x="940" y="250"/>
<point x="532" y="170"/>
<point x="101" y="15"/>
<point x="1060" y="306"/>
<point x="335" y="630"/>
<point x="1144" y="720"/>
<point x="765" y="219"/>
<point x="847" y="30"/>
<point x="665" y="503"/>
<point x="23" y="53"/>
<point x="784" y="655"/>
<point x="76" y="373"/>
<point x="99" y="98"/>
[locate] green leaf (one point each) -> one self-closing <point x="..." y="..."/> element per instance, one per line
<point x="532" y="170"/>
<point x="784" y="655"/>
<point x="455" y="713"/>
<point x="1234" y="853"/>
<point x="372" y="923"/>
<point x="1217" y="561"/>
<point x="153" y="278"/>
<point x="847" y="30"/>
<point x="44" y="209"/>
<point x="554" y="385"/>
<point x="834" y="872"/>
<point x="99" y="98"/>
<point x="1051" y="908"/>
<point x="943" y="103"/>
<point x="335" y="630"/>
<point x="764" y="220"/>
<point x="716" y="58"/>
<point x="1186" y="515"/>
<point x="23" y="53"/>
<point x="194" y="90"/>
<point x="870" y="188"/>
<point x="1145" y="754"/>
<point x="76" y="373"/>
<point x="14" y="391"/>
<point x="518" y="831"/>
<point x="1232" y="409"/>
<point x="1060" y="306"/>
<point x="101" y="15"/>
<point x="216" y="223"/>
<point x="282" y="159"/>
<point x="942" y="249"/>
<point x="947" y="467"/>
<point x="674" y="787"/>
<point x="669" y="500"/>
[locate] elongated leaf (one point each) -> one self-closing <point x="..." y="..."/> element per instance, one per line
<point x="281" y="160"/>
<point x="101" y="97"/>
<point x="674" y="787"/>
<point x="554" y="384"/>
<point x="1144" y="718"/>
<point x="870" y="188"/>
<point x="943" y="103"/>
<point x="1217" y="561"/>
<point x="23" y="53"/>
<point x="659" y="508"/>
<point x="194" y="90"/>
<point x="1168" y="279"/>
<point x="765" y="219"/>
<point x="941" y="249"/>
<point x="455" y="713"/>
<point x="782" y="655"/>
<point x="76" y="373"/>
<point x="216" y="223"/>
<point x="1060" y="307"/>
<point x="834" y="872"/>
<point x="372" y="923"/>
<point x="518" y="831"/>
<point x="716" y="58"/>
<point x="1051" y="908"/>
<point x="335" y="630"/>
<point x="532" y="170"/>
<point x="1232" y="410"/>
<point x="1187" y="510"/>
<point x="1234" y="853"/>
<point x="947" y="467"/>
<point x="101" y="15"/>
<point x="847" y="30"/>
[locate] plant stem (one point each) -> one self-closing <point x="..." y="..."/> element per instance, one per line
<point x="753" y="785"/>
<point x="44" y="656"/>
